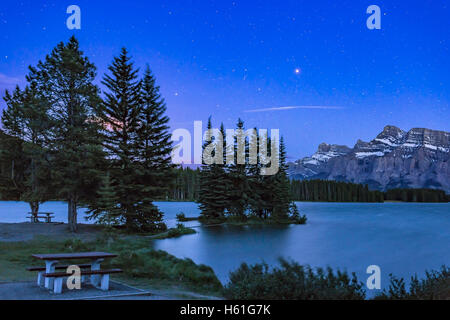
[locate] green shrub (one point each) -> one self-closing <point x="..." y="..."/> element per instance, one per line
<point x="435" y="286"/>
<point x="181" y="217"/>
<point x="295" y="215"/>
<point x="291" y="281"/>
<point x="176" y="232"/>
<point x="152" y="264"/>
<point x="75" y="245"/>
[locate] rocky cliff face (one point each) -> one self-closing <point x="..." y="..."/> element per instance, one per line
<point x="419" y="158"/>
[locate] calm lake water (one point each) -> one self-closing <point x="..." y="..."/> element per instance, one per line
<point x="16" y="211"/>
<point x="401" y="238"/>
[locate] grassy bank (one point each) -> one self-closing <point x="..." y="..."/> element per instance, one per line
<point x="179" y="231"/>
<point x="142" y="266"/>
<point x="158" y="271"/>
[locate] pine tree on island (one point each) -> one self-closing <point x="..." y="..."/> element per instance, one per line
<point x="212" y="192"/>
<point x="238" y="189"/>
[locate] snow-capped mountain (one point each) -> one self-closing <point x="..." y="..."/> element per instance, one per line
<point x="419" y="158"/>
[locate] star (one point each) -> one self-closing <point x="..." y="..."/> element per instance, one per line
<point x="297" y="71"/>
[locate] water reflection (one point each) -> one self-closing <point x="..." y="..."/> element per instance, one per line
<point x="400" y="238"/>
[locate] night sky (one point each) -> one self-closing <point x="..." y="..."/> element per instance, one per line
<point x="257" y="59"/>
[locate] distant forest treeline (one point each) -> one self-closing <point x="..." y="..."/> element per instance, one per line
<point x="417" y="195"/>
<point x="187" y="189"/>
<point x="187" y="182"/>
<point x="333" y="191"/>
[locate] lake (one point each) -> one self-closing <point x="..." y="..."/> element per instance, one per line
<point x="16" y="211"/>
<point x="401" y="238"/>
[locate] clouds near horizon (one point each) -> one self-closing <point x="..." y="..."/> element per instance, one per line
<point x="294" y="107"/>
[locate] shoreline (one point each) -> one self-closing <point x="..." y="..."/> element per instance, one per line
<point x="26" y="231"/>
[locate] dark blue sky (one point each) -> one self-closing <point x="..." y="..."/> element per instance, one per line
<point x="224" y="58"/>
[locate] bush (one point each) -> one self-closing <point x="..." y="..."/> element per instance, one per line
<point x="435" y="286"/>
<point x="176" y="232"/>
<point x="75" y="245"/>
<point x="181" y="217"/>
<point x="151" y="264"/>
<point x="291" y="282"/>
<point x="295" y="215"/>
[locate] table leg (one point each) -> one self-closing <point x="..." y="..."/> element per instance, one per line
<point x="49" y="268"/>
<point x="95" y="278"/>
<point x="40" y="278"/>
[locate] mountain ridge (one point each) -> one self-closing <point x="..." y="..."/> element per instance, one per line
<point x="418" y="158"/>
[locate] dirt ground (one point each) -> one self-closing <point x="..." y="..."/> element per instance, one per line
<point x="26" y="231"/>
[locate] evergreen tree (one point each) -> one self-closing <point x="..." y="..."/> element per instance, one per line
<point x="139" y="145"/>
<point x="155" y="174"/>
<point x="295" y="214"/>
<point x="26" y="123"/>
<point x="153" y="138"/>
<point x="280" y="186"/>
<point x="256" y="181"/>
<point x="14" y="164"/>
<point x="65" y="80"/>
<point x="221" y="177"/>
<point x="238" y="193"/>
<point x="186" y="187"/>
<point x="212" y="193"/>
<point x="327" y="190"/>
<point x="104" y="209"/>
<point x="121" y="117"/>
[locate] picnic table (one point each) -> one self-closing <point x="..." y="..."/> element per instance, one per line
<point x="53" y="280"/>
<point x="41" y="215"/>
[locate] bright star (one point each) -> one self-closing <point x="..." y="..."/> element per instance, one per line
<point x="298" y="71"/>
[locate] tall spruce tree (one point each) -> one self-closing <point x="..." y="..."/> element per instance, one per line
<point x="266" y="183"/>
<point x="239" y="192"/>
<point x="65" y="80"/>
<point x="257" y="202"/>
<point x="222" y="178"/>
<point x="121" y="109"/>
<point x="212" y="196"/>
<point x="280" y="187"/>
<point x="155" y="173"/>
<point x="139" y="145"/>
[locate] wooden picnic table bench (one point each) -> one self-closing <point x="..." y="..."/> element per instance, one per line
<point x="104" y="280"/>
<point x="47" y="216"/>
<point x="81" y="266"/>
<point x="53" y="280"/>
